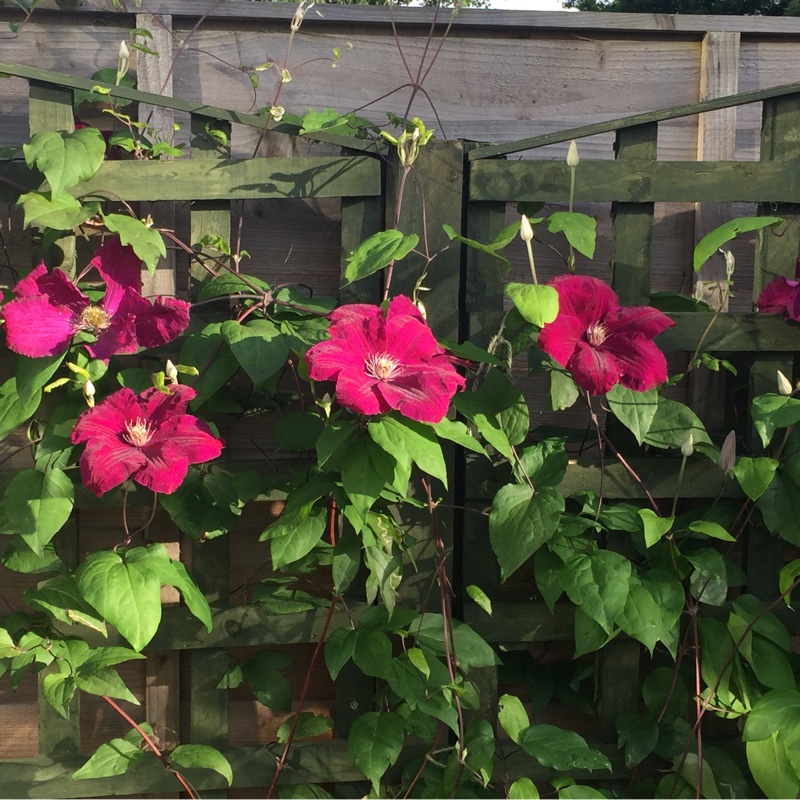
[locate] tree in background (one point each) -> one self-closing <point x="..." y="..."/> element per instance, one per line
<point x="746" y="7"/>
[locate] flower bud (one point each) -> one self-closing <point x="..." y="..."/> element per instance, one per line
<point x="88" y="393"/>
<point x="687" y="448"/>
<point x="171" y="372"/>
<point x="525" y="229"/>
<point x="727" y="453"/>
<point x="572" y="155"/>
<point x="123" y="60"/>
<point x="784" y="385"/>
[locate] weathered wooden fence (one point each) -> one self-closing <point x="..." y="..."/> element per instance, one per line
<point x="468" y="187"/>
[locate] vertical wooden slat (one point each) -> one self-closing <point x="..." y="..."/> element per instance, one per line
<point x="632" y="236"/>
<point x="775" y="255"/>
<point x="716" y="141"/>
<point x="210" y="559"/>
<point x="50" y="109"/>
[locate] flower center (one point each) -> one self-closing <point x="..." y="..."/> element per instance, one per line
<point x="381" y="366"/>
<point x="596" y="334"/>
<point x="137" y="432"/>
<point x="94" y="319"/>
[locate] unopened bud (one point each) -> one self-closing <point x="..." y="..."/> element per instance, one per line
<point x="525" y="229"/>
<point x="727" y="453"/>
<point x="171" y="372"/>
<point x="325" y="404"/>
<point x="88" y="393"/>
<point x="687" y="448"/>
<point x="123" y="60"/>
<point x="784" y="385"/>
<point x="277" y="112"/>
<point x="572" y="155"/>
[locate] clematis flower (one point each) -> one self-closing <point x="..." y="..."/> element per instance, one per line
<point x="146" y="437"/>
<point x="49" y="310"/>
<point x="781" y="296"/>
<point x="387" y="362"/>
<point x="602" y="343"/>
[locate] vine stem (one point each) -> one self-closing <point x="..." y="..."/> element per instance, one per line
<point x="152" y="745"/>
<point x="281" y="762"/>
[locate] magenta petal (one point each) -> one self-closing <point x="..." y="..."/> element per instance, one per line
<point x="107" y="462"/>
<point x="425" y="401"/>
<point x="108" y="417"/>
<point x="192" y="437"/>
<point x="643" y="366"/>
<point x="560" y="337"/>
<point x="360" y="393"/>
<point x="645" y="320"/>
<point x="594" y="368"/>
<point x="121" y="269"/>
<point x="586" y="298"/>
<point x="36" y="328"/>
<point x="119" y="337"/>
<point x="777" y="296"/>
<point x="344" y="315"/>
<point x="159" y="407"/>
<point x="326" y="359"/>
<point x="164" y="320"/>
<point x="402" y="306"/>
<point x="164" y="469"/>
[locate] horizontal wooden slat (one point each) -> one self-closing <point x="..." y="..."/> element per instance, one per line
<point x="733" y="332"/>
<point x="258" y="178"/>
<point x="636" y="181"/>
<point x="368" y="16"/>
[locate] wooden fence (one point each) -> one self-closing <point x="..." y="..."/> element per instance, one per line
<point x="468" y="187"/>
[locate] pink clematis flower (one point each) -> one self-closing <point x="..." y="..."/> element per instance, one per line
<point x="781" y="296"/>
<point x="383" y="363"/>
<point x="49" y="310"/>
<point x="146" y="437"/>
<point x="600" y="342"/>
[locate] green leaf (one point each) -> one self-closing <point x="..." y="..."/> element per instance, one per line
<point x="146" y="242"/>
<point x="259" y="347"/>
<point x="561" y="749"/>
<point x="486" y="249"/>
<point x="127" y="593"/>
<point x="61" y="597"/>
<point x="398" y="434"/>
<point x="712" y="241"/>
<point x="174" y="573"/>
<point x="365" y="469"/>
<point x="777" y="710"/>
<point x="294" y="534"/>
<point x="709" y="581"/>
<point x="563" y="390"/>
<point x="375" y="743"/>
<point x="655" y="527"/>
<point x="672" y="424"/>
<point x="711" y="529"/>
<point x="641" y="617"/>
<point x="229" y="283"/>
<point x="377" y="252"/>
<point x="109" y="760"/>
<point x="523" y="789"/>
<point x="536" y="304"/>
<point x="203" y="757"/>
<point x="298" y="430"/>
<point x="598" y="583"/>
<point x="66" y="159"/>
<point x="61" y="212"/>
<point x="480" y="598"/>
<point x="456" y="431"/>
<point x="34" y="374"/>
<point x="417" y="657"/>
<point x="38" y="505"/>
<point x="579" y="229"/>
<point x="512" y="717"/>
<point x="102" y="680"/>
<point x="266" y="681"/>
<point x="471" y="649"/>
<point x="771" y="411"/>
<point x="58" y="689"/>
<point x="339" y="649"/>
<point x="521" y="520"/>
<point x="373" y="652"/>
<point x="635" y="410"/>
<point x="589" y="636"/>
<point x="660" y="688"/>
<point x="208" y="352"/>
<point x="638" y="735"/>
<point x="780" y="508"/>
<point x="18" y="557"/>
<point x="755" y="475"/>
<point x="13" y="412"/>
<point x="308" y="726"/>
<point x="771" y="768"/>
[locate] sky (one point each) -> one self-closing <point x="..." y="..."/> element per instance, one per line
<point x="528" y="5"/>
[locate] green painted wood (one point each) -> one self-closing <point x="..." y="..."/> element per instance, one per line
<point x="361" y="217"/>
<point x="702" y="479"/>
<point x="632" y="223"/>
<point x="731" y="332"/>
<point x="208" y="706"/>
<point x="60" y="79"/>
<point x="635" y="181"/>
<point x="675" y="112"/>
<point x="232" y="179"/>
<point x="529" y="621"/>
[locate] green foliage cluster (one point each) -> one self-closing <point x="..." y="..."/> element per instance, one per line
<point x="769" y="8"/>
